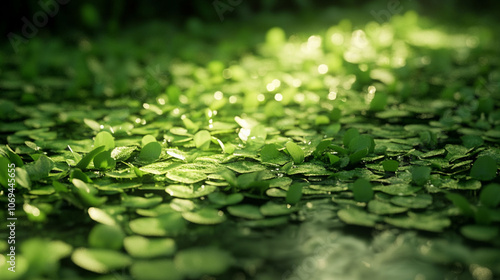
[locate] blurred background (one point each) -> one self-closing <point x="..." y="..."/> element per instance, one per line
<point x="109" y="16"/>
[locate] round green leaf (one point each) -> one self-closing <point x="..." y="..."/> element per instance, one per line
<point x="142" y="247"/>
<point x="106" y="237"/>
<point x="205" y="216"/>
<point x="223" y="199"/>
<point x="184" y="191"/>
<point x="273" y="209"/>
<point x="186" y="176"/>
<point x="147" y="139"/>
<point x="170" y="224"/>
<point x="362" y="190"/>
<point x="246" y="211"/>
<point x="384" y="208"/>
<point x="490" y="195"/>
<point x="390" y="165"/>
<point x="484" y="169"/>
<point x="296" y="152"/>
<point x="415" y="201"/>
<point x="271" y="154"/>
<point x="161" y="269"/>
<point x="141" y="202"/>
<point x="196" y="262"/>
<point x="202" y="139"/>
<point x="100" y="260"/>
<point x="461" y="203"/>
<point x="104" y="160"/>
<point x="294" y="193"/>
<point x="480" y="232"/>
<point x="420" y="174"/>
<point x="105" y="139"/>
<point x="358" y="217"/>
<point x="349" y="135"/>
<point x="150" y="152"/>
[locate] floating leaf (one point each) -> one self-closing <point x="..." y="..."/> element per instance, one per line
<point x="205" y="216"/>
<point x="104" y="160"/>
<point x="296" y="152"/>
<point x="156" y="269"/>
<point x="142" y="247"/>
<point x="246" y="211"/>
<point x="84" y="162"/>
<point x="361" y="142"/>
<point x="362" y="190"/>
<point x="202" y="139"/>
<point x="294" y="193"/>
<point x="273" y="209"/>
<point x="147" y="139"/>
<point x="461" y="203"/>
<point x="105" y="139"/>
<point x="490" y="195"/>
<point x="484" y="169"/>
<point x="384" y="208"/>
<point x="223" y="199"/>
<point x="40" y="168"/>
<point x="170" y="224"/>
<point x="101" y="216"/>
<point x="245" y="166"/>
<point x="186" y="176"/>
<point x="417" y="201"/>
<point x="349" y="135"/>
<point x="196" y="262"/>
<point x="434" y="223"/>
<point x="159" y="168"/>
<point x="358" y="217"/>
<point x="184" y="191"/>
<point x="480" y="232"/>
<point x="106" y="237"/>
<point x="150" y="152"/>
<point x="420" y="174"/>
<point x="141" y="202"/>
<point x="100" y="260"/>
<point x="271" y="154"/>
<point x="390" y="165"/>
<point x="398" y="189"/>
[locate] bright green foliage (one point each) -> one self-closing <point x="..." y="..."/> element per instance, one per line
<point x="151" y="151"/>
<point x="270" y="154"/>
<point x="105" y="139"/>
<point x="84" y="162"/>
<point x="202" y="140"/>
<point x="295" y="152"/>
<point x="104" y="160"/>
